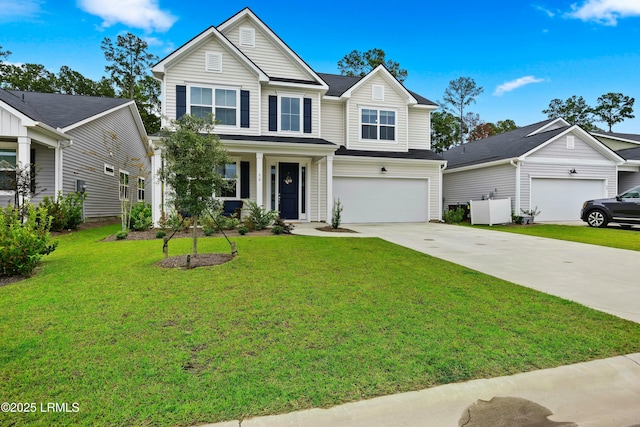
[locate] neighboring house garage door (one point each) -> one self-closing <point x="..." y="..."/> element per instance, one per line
<point x="562" y="199"/>
<point x="382" y="199"/>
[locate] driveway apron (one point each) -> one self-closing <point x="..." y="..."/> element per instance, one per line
<point x="599" y="277"/>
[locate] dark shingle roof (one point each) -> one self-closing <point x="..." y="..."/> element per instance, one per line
<point x="281" y="139"/>
<point x="411" y="154"/>
<point x="339" y="84"/>
<point x="506" y="145"/>
<point x="58" y="110"/>
<point x="629" y="153"/>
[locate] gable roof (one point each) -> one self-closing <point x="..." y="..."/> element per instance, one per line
<point x="630" y="153"/>
<point x="513" y="144"/>
<point x="625" y="137"/>
<point x="339" y="84"/>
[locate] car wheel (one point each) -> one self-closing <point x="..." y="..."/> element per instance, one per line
<point x="597" y="218"/>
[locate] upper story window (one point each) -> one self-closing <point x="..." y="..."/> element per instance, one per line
<point x="221" y="102"/>
<point x="247" y="36"/>
<point x="378" y="124"/>
<point x="290" y="114"/>
<point x="7" y="169"/>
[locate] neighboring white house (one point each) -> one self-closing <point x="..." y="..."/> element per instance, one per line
<point x="300" y="139"/>
<point x="551" y="165"/>
<point x="627" y="146"/>
<point x="65" y="137"/>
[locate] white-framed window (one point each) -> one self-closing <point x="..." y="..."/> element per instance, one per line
<point x="222" y="102"/>
<point x="140" y="189"/>
<point x="124" y="185"/>
<point x="290" y="117"/>
<point x="247" y="36"/>
<point x="8" y="163"/>
<point x="109" y="169"/>
<point x="213" y="62"/>
<point x="377" y="124"/>
<point x="231" y="177"/>
<point x="377" y="92"/>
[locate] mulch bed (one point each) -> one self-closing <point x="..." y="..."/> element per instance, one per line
<point x="4" y="281"/>
<point x="330" y="229"/>
<point x="200" y="260"/>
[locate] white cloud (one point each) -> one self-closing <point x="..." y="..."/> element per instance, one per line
<point x="515" y="84"/>
<point x="544" y="10"/>
<point x="606" y="12"/>
<point x="11" y="10"/>
<point x="144" y="14"/>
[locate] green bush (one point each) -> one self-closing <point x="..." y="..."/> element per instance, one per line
<point x="243" y="230"/>
<point x="220" y="223"/>
<point x="121" y="235"/>
<point x="161" y="234"/>
<point x="23" y="244"/>
<point x="141" y="217"/>
<point x="65" y="211"/>
<point x="175" y="222"/>
<point x="453" y="216"/>
<point x="336" y="214"/>
<point x="258" y="217"/>
<point x="277" y="230"/>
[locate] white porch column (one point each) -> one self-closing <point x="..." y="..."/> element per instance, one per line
<point x="24" y="157"/>
<point x="157" y="187"/>
<point x="329" y="188"/>
<point x="259" y="182"/>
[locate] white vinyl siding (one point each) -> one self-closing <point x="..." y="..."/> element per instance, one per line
<point x="419" y="129"/>
<point x="46" y="178"/>
<point x="393" y="101"/>
<point x="344" y="166"/>
<point x="9" y="124"/>
<point x="460" y="187"/>
<point x="267" y="54"/>
<point x="558" y="149"/>
<point x="333" y="127"/>
<point x="102" y="190"/>
<point x="189" y="70"/>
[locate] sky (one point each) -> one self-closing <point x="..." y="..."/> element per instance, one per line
<point x="523" y="53"/>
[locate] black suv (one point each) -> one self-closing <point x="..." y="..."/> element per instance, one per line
<point x="624" y="209"/>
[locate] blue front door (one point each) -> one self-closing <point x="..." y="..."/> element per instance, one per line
<point x="288" y="185"/>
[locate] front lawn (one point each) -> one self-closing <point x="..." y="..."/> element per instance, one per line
<point x="614" y="237"/>
<point x="293" y="322"/>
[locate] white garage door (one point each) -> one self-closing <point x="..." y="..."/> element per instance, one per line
<point x="382" y="199"/>
<point x="562" y="199"/>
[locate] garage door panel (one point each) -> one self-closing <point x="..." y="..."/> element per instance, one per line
<point x="562" y="199"/>
<point x="382" y="199"/>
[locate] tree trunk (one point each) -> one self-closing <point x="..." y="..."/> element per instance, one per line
<point x="195" y="235"/>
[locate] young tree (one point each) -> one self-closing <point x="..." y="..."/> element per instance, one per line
<point x="129" y="62"/>
<point x="574" y="110"/>
<point x="361" y="63"/>
<point x="445" y="131"/>
<point x="613" y="108"/>
<point x="192" y="157"/>
<point x="461" y="93"/>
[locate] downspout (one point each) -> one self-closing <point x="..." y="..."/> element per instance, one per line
<point x="516" y="163"/>
<point x="443" y="166"/>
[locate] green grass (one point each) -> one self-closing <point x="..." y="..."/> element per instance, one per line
<point x="293" y="322"/>
<point x="614" y="237"/>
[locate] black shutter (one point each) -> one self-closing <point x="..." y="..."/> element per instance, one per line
<point x="244" y="180"/>
<point x="181" y="101"/>
<point x="244" y="108"/>
<point x="307" y="115"/>
<point x="273" y="113"/>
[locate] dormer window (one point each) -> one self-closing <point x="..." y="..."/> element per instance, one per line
<point x="247" y="37"/>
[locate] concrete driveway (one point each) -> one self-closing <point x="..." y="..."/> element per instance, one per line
<point x="602" y="278"/>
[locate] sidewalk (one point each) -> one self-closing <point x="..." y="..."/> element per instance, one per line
<point x="601" y="393"/>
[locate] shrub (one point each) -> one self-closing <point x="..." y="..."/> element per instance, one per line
<point x="23" y="244"/>
<point x="286" y="228"/>
<point x="336" y="214"/>
<point x="174" y="222"/>
<point x="453" y="216"/>
<point x="243" y="230"/>
<point x="277" y="230"/>
<point x="533" y="213"/>
<point x="258" y="217"/>
<point x="161" y="234"/>
<point x="141" y="217"/>
<point x="220" y="223"/>
<point x="65" y="211"/>
<point x="121" y="235"/>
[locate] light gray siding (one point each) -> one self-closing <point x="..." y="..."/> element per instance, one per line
<point x="347" y="167"/>
<point x="333" y="126"/>
<point x="85" y="159"/>
<point x="393" y="100"/>
<point x="266" y="54"/>
<point x="45" y="161"/>
<point x="190" y="70"/>
<point x="627" y="180"/>
<point x="460" y="187"/>
<point x="558" y="149"/>
<point x="419" y="129"/>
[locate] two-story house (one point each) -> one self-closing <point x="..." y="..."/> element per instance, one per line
<point x="300" y="139"/>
